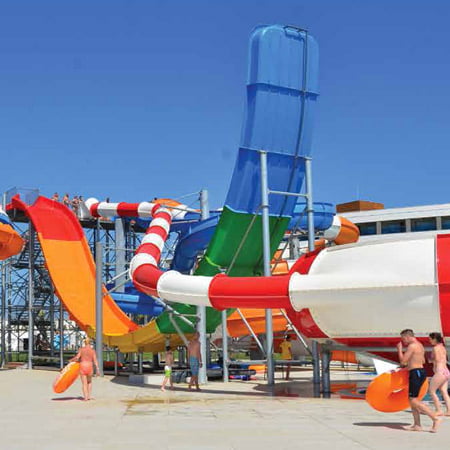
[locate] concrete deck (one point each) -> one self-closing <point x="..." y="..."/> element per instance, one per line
<point x="237" y="415"/>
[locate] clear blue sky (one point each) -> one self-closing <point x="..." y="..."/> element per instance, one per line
<point x="136" y="99"/>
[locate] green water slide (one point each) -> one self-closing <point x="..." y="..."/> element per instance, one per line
<point x="237" y="240"/>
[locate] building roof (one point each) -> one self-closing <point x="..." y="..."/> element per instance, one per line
<point x="408" y="212"/>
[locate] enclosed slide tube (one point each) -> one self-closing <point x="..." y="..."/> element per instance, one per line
<point x="354" y="294"/>
<point x="92" y="208"/>
<point x="197" y="235"/>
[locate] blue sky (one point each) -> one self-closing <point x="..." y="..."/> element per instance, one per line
<point x="136" y="99"/>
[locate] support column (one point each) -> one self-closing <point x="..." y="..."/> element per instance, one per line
<point x="316" y="368"/>
<point x="99" y="305"/>
<point x="225" y="346"/>
<point x="61" y="335"/>
<point x="131" y="362"/>
<point x="30" y="295"/>
<point x="120" y="253"/>
<point x="311" y="236"/>
<point x="326" y="380"/>
<point x="266" y="263"/>
<point x="140" y="363"/>
<point x="3" y="316"/>
<point x="52" y="322"/>
<point x="155" y="361"/>
<point x="201" y="310"/>
<point x="116" y="362"/>
<point x="3" y="298"/>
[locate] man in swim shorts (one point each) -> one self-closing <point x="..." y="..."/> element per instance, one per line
<point x="195" y="360"/>
<point x="413" y="359"/>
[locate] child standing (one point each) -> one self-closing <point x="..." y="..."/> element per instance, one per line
<point x="168" y="368"/>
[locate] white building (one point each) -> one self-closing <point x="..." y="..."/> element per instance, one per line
<point x="373" y="219"/>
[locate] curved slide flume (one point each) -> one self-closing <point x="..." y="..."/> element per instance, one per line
<point x="10" y="242"/>
<point x="72" y="271"/>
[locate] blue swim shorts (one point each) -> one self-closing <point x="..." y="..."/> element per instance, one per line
<point x="194" y="365"/>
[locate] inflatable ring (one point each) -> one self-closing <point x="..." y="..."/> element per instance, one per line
<point x="388" y="392"/>
<point x="66" y="378"/>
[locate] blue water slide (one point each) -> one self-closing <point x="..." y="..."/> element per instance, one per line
<point x="323" y="216"/>
<point x="282" y="90"/>
<point x="191" y="242"/>
<point x="131" y="301"/>
<point x="4" y="218"/>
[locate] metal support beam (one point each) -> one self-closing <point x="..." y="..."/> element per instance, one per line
<point x="326" y="380"/>
<point x="99" y="305"/>
<point x="309" y="204"/>
<point x="116" y="361"/>
<point x="316" y="368"/>
<point x="266" y="262"/>
<point x="61" y="335"/>
<point x="225" y="346"/>
<point x="178" y="329"/>
<point x="297" y="333"/>
<point x="311" y="238"/>
<point x="3" y="316"/>
<point x="140" y="363"/>
<point x="30" y="295"/>
<point x="131" y="362"/>
<point x="52" y="321"/>
<point x="201" y="310"/>
<point x="120" y="273"/>
<point x="249" y="328"/>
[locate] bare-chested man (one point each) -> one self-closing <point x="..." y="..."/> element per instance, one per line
<point x="195" y="360"/>
<point x="413" y="359"/>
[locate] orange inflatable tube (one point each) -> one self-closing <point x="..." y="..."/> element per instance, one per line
<point x="258" y="368"/>
<point x="388" y="392"/>
<point x="66" y="378"/>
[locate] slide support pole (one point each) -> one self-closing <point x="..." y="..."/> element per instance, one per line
<point x="30" y="295"/>
<point x="201" y="310"/>
<point x="225" y="346"/>
<point x="266" y="263"/>
<point x="310" y="216"/>
<point x="99" y="305"/>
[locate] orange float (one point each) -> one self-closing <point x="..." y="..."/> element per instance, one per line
<point x="66" y="378"/>
<point x="258" y="368"/>
<point x="388" y="392"/>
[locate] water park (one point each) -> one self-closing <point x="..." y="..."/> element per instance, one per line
<point x="282" y="311"/>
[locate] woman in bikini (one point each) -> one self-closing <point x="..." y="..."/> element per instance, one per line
<point x="441" y="375"/>
<point x="87" y="358"/>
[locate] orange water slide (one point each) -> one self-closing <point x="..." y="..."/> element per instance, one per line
<point x="10" y="241"/>
<point x="72" y="270"/>
<point x="71" y="266"/>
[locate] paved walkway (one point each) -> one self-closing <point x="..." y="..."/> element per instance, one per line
<point x="237" y="415"/>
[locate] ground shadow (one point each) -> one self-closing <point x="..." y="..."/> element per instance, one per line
<point x="260" y="390"/>
<point x="391" y="425"/>
<point x="66" y="399"/>
<point x="295" y="388"/>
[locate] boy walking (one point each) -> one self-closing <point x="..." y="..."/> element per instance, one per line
<point x="168" y="368"/>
